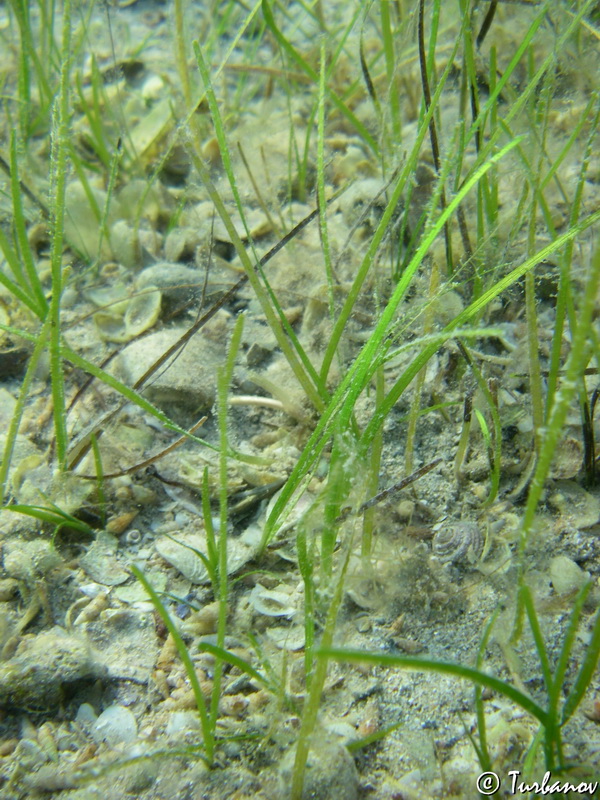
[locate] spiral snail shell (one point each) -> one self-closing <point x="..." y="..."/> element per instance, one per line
<point x="459" y="542"/>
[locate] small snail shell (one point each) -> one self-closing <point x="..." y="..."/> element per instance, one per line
<point x="460" y="542"/>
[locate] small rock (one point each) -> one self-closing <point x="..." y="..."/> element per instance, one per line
<point x="116" y="724"/>
<point x="566" y="575"/>
<point x="182" y="722"/>
<point x="181" y="244"/>
<point x="330" y="773"/>
<point x="43" y="666"/>
<point x="178" y="284"/>
<point x="189" y="382"/>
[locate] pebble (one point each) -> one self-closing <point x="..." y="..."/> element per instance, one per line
<point x="43" y="666"/>
<point x="189" y="382"/>
<point x="330" y="773"/>
<point x="115" y="725"/>
<point x="566" y="575"/>
<point x="178" y="284"/>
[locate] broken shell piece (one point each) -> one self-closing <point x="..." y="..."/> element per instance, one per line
<point x="566" y="575"/>
<point x="101" y="562"/>
<point x="271" y="603"/>
<point x="116" y="724"/>
<point x="125" y="243"/>
<point x="211" y="151"/>
<point x="202" y="622"/>
<point x="150" y="130"/>
<point x="233" y="705"/>
<point x="188" y="381"/>
<point x="186" y="552"/>
<point x="568" y="459"/>
<point x="141" y="313"/>
<point x="143" y="310"/>
<point x="114" y="296"/>
<point x="82" y="225"/>
<point x="577" y="506"/>
<point x="178" y="284"/>
<point x="110" y="327"/>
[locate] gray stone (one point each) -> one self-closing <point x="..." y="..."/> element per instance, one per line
<point x="186" y="382"/>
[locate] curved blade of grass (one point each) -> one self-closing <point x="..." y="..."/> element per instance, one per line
<point x="482" y="749"/>
<point x="224" y="375"/>
<point x="494" y="443"/>
<point x="52" y="516"/>
<point x="418" y="664"/>
<point x="306" y="567"/>
<point x="31" y="284"/>
<point x="58" y="163"/>
<point x="235" y="661"/>
<point x="23" y="295"/>
<point x="540" y="646"/>
<point x="184" y="655"/>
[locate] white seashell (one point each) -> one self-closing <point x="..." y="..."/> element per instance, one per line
<point x="110" y="327"/>
<point x="459" y="542"/>
<point x="141" y="313"/>
<point x="271" y="603"/>
<point x="566" y="575"/>
<point x="143" y="310"/>
<point x="116" y="724"/>
<point x="180" y="552"/>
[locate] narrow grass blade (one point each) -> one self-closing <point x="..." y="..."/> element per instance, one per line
<point x="441" y="668"/>
<point x="184" y="655"/>
<point x="30" y="279"/>
<point x="51" y="516"/>
<point x="235" y="661"/>
<point x="587" y="669"/>
<point x="15" y="421"/>
<point x="99" y="477"/>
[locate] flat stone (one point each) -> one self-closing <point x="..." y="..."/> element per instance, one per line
<point x="188" y="382"/>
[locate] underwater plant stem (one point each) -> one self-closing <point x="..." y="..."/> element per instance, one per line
<point x="435" y="149"/>
<point x="224" y="375"/>
<point x="415" y="404"/>
<point x="317" y="682"/>
<point x="374" y="468"/>
<point x="563" y="397"/>
<point x="60" y="148"/>
<point x="322" y="203"/>
<point x="17" y="414"/>
<point x="184" y="655"/>
<point x="182" y="68"/>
